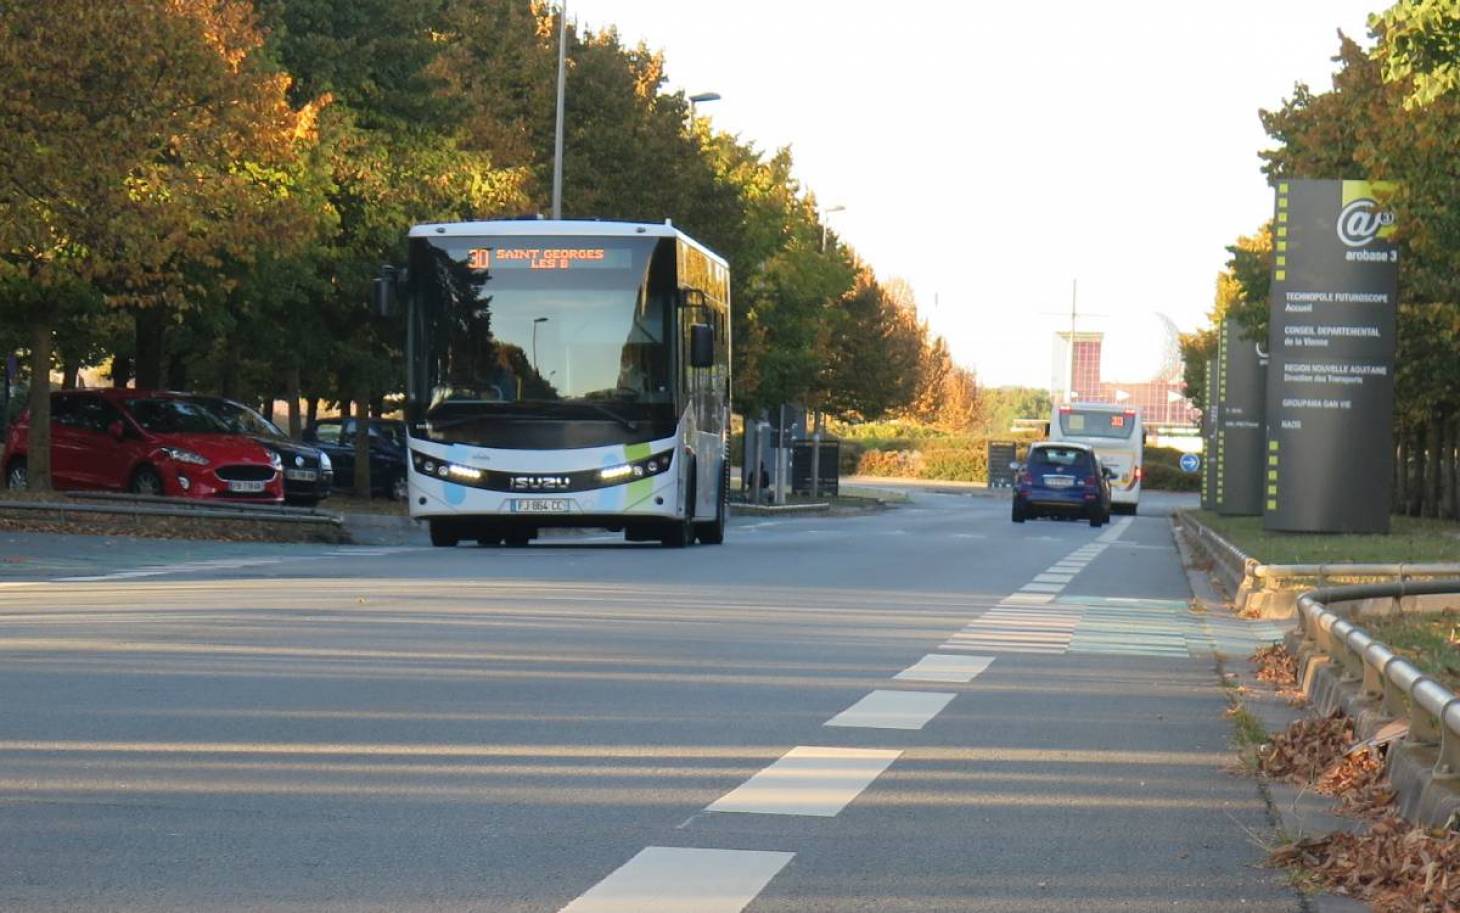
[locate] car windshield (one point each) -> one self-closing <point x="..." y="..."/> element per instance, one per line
<point x="1055" y="458"/>
<point x="175" y="416"/>
<point x="239" y="418"/>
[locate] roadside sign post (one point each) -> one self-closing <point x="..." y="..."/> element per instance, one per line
<point x="1190" y="462"/>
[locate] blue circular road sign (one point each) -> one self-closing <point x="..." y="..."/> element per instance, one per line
<point x="1190" y="462"/>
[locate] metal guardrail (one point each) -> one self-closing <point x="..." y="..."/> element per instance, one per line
<point x="1245" y="575"/>
<point x="141" y="506"/>
<point x="1400" y="687"/>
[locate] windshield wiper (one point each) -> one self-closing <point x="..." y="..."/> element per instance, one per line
<point x="604" y="410"/>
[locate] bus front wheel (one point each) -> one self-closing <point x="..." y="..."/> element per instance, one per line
<point x="443" y="535"/>
<point x="713" y="532"/>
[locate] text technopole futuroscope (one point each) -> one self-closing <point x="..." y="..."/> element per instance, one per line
<point x="1330" y="387"/>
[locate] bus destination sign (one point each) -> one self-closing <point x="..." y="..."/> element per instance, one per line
<point x="480" y="258"/>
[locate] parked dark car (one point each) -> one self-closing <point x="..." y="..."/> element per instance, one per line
<point x="1062" y="480"/>
<point x="308" y="473"/>
<point x="146" y="442"/>
<point x="336" y="437"/>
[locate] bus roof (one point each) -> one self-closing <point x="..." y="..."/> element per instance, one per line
<point x="510" y="228"/>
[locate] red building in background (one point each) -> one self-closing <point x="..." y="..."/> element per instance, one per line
<point x="1136" y="364"/>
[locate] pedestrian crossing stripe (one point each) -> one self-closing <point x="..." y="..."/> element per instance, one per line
<point x="1106" y="625"/>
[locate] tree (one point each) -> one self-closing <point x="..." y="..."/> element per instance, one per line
<point x="139" y="139"/>
<point x="1420" y="48"/>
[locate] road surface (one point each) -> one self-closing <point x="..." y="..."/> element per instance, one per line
<point x="923" y="709"/>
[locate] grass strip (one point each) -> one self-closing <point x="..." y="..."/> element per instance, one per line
<point x="1410" y="540"/>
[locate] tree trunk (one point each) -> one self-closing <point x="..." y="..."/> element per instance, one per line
<point x="1400" y="496"/>
<point x="312" y="409"/>
<point x="177" y="373"/>
<point x="1417" y="472"/>
<point x="150" y="325"/>
<point x="1447" y="469"/>
<point x="291" y="398"/>
<point x="362" y="441"/>
<point x="1434" y="439"/>
<point x="121" y="370"/>
<point x="377" y="407"/>
<point x="346" y="407"/>
<point x="38" y="441"/>
<point x="70" y="374"/>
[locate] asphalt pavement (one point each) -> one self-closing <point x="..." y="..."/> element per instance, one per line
<point x="922" y="709"/>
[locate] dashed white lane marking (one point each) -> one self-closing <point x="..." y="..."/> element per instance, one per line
<point x="942" y="667"/>
<point x="662" y="879"/>
<point x="1115" y="530"/>
<point x="1029" y="599"/>
<point x="883" y="709"/>
<point x="808" y="780"/>
<point x="1042" y="587"/>
<point x="1054" y="578"/>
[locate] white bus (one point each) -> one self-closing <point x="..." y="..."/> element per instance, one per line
<point x="565" y="373"/>
<point x="1118" y="438"/>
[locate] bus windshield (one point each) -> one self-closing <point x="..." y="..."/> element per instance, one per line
<point x="549" y="320"/>
<point x="1096" y="423"/>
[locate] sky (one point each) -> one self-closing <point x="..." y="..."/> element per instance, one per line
<point x="994" y="153"/>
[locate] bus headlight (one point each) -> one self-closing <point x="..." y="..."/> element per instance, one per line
<point x="638" y="469"/>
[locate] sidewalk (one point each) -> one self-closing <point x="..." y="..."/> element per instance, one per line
<point x="935" y="486"/>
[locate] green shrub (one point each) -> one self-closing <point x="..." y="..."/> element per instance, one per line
<point x="955" y="464"/>
<point x="1159" y="476"/>
<point x="892" y="463"/>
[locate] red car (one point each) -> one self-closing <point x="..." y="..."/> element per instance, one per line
<point x="149" y="443"/>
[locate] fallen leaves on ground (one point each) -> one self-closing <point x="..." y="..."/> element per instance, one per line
<point x="1279" y="668"/>
<point x="1307" y="748"/>
<point x="1359" y="784"/>
<point x="1395" y="867"/>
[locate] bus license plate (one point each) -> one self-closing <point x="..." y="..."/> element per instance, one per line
<point x="246" y="487"/>
<point x="541" y="505"/>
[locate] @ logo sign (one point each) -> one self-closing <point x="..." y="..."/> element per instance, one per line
<point x="1360" y="222"/>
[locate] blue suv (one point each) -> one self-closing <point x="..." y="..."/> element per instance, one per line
<point x="1062" y="480"/>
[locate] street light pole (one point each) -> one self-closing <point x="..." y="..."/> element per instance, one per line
<point x="702" y="97"/>
<point x="558" y="134"/>
<point x="535" y="322"/>
<point x="822" y="219"/>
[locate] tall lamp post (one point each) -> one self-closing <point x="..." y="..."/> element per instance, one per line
<point x="558" y="131"/>
<point x="535" y="322"/>
<point x="698" y="99"/>
<point x="822" y="219"/>
<point x="816" y="413"/>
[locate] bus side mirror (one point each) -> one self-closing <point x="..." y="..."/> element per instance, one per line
<point x="383" y="297"/>
<point x="701" y="345"/>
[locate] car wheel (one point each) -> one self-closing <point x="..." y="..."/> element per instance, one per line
<point x="444" y="535"/>
<point x="1016" y="514"/>
<point x="146" y="481"/>
<point x="15" y="476"/>
<point x="399" y="488"/>
<point x="1097" y="519"/>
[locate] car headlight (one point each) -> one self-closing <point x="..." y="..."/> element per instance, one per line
<point x="324" y="462"/>
<point x="185" y="456"/>
<point x="275" y="460"/>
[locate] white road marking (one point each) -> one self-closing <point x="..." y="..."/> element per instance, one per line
<point x="882" y="709"/>
<point x="1053" y="578"/>
<point x="938" y="667"/>
<point x="808" y="780"/>
<point x="1042" y="587"/>
<point x="662" y="879"/>
<point x="1029" y="599"/>
<point x="1114" y="532"/>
